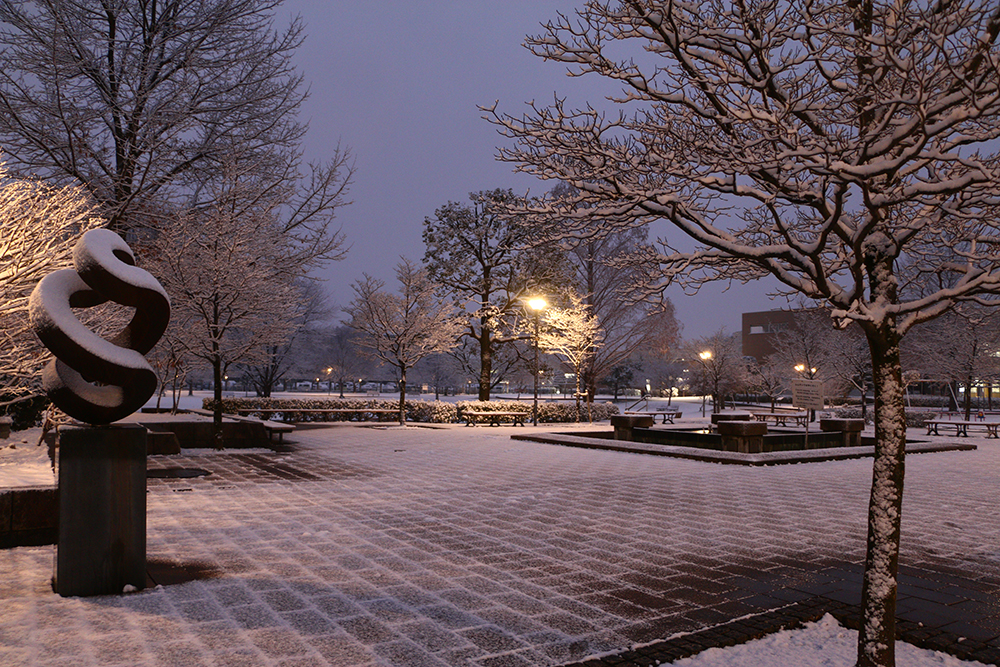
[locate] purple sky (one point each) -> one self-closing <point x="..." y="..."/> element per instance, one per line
<point x="399" y="83"/>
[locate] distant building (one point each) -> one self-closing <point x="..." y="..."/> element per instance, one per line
<point x="759" y="330"/>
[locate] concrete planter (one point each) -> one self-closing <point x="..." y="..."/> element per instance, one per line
<point x="745" y="437"/>
<point x="850" y="428"/>
<point x="625" y="423"/>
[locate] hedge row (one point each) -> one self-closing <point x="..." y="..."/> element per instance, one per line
<point x="416" y="411"/>
<point x="914" y="418"/>
<point x="549" y="412"/>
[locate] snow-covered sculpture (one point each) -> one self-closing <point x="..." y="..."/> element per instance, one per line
<point x="92" y="379"/>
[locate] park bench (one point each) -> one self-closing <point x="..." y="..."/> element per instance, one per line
<point x="472" y="417"/>
<point x="781" y="418"/>
<point x="962" y="427"/>
<point x="270" y="427"/>
<point x="668" y="415"/>
<point x="364" y="414"/>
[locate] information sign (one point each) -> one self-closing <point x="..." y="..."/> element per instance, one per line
<point x="807" y="394"/>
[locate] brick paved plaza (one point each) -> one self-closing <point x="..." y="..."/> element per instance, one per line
<point x="455" y="546"/>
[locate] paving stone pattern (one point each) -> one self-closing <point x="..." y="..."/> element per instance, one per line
<point x="371" y="546"/>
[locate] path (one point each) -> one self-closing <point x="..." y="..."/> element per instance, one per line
<point x="455" y="546"/>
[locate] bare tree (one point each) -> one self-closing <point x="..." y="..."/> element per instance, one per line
<point x="276" y="359"/>
<point x="401" y="329"/>
<point x="768" y="377"/>
<point x="132" y="100"/>
<point x="958" y="348"/>
<point x="842" y="148"/>
<point x="720" y="369"/>
<point x="231" y="266"/>
<point x="341" y="352"/>
<point x="572" y="334"/>
<point x="602" y="274"/>
<point x="39" y="226"/>
<point x="478" y="257"/>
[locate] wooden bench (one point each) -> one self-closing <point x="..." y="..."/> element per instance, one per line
<point x="363" y="413"/>
<point x="962" y="427"/>
<point x="472" y="417"/>
<point x="668" y="415"/>
<point x="782" y="418"/>
<point x="271" y="427"/>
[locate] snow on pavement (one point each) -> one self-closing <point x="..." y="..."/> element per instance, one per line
<point x="452" y="546"/>
<point x="824" y="643"/>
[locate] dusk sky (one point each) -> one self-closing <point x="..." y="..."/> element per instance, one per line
<point x="399" y="82"/>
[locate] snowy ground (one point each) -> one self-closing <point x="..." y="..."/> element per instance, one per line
<point x="457" y="546"/>
<point x="23" y="462"/>
<point x="822" y="644"/>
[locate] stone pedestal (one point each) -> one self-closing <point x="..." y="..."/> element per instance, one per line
<point x="850" y="428"/>
<point x="745" y="437"/>
<point x="719" y="417"/>
<point x="102" y="510"/>
<point x="625" y="423"/>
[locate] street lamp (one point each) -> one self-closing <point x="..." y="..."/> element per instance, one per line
<point x="705" y="356"/>
<point x="537" y="304"/>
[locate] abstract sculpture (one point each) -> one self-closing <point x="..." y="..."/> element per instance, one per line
<point x="92" y="379"/>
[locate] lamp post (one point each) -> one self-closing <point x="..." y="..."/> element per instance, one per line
<point x="537" y="304"/>
<point x="705" y="356"/>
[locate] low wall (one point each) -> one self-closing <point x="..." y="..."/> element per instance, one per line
<point x="29" y="517"/>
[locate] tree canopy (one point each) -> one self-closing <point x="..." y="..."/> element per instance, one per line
<point x="136" y="100"/>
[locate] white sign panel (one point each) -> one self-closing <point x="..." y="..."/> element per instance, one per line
<point x="807" y="394"/>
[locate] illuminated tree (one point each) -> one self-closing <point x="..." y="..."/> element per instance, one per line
<point x="39" y="226"/>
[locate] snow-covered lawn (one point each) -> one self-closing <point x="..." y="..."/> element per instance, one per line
<point x="824" y="643"/>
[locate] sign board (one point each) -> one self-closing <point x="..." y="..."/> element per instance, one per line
<point x="807" y="394"/>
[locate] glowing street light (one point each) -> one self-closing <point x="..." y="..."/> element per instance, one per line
<point x="537" y="304"/>
<point x="705" y="356"/>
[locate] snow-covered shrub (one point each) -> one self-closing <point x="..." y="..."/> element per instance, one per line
<point x="417" y="411"/>
<point x="854" y="413"/>
<point x="438" y="412"/>
<point x="548" y="411"/>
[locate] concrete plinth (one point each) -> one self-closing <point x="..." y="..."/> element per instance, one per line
<point x="102" y="510"/>
<point x="851" y="429"/>
<point x="745" y="437"/>
<point x="625" y="423"/>
<point x="719" y="417"/>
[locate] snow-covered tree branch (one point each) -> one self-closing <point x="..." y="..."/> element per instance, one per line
<point x="847" y="149"/>
<point x="39" y="226"/>
<point x="131" y="100"/>
<point x="401" y="329"/>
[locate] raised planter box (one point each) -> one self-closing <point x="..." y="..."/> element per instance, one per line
<point x="625" y="423"/>
<point x="745" y="437"/>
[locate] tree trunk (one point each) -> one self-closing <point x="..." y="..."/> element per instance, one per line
<point x="485" y="362"/>
<point x="876" y="641"/>
<point x="402" y="396"/>
<point x="217" y="409"/>
<point x="968" y="399"/>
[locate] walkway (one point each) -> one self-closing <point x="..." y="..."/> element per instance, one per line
<point x="454" y="546"/>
